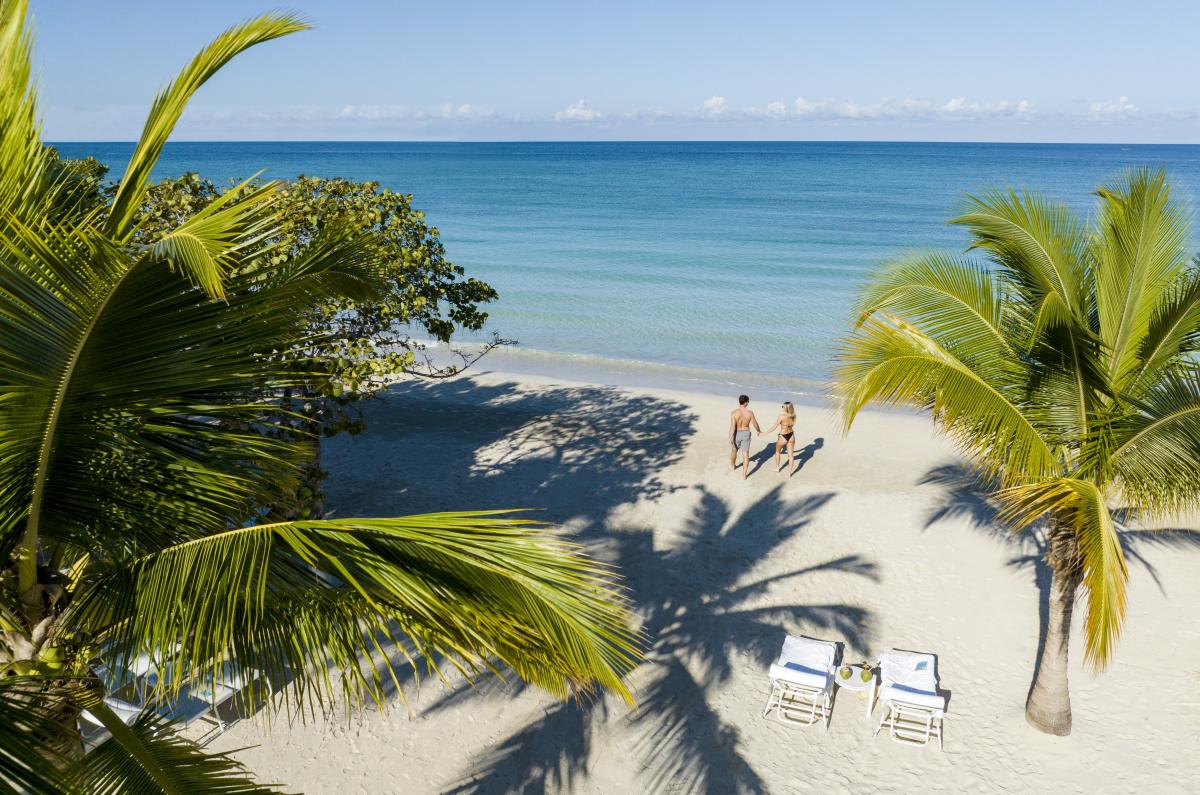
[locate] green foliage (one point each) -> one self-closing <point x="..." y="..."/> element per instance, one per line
<point x="151" y="352"/>
<point x="1062" y="363"/>
<point x="418" y="286"/>
<point x="361" y="343"/>
<point x="31" y="738"/>
<point x="472" y="587"/>
<point x="83" y="188"/>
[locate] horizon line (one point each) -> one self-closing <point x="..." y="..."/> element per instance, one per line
<point x="615" y="141"/>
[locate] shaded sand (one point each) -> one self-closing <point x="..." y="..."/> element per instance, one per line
<point x="878" y="541"/>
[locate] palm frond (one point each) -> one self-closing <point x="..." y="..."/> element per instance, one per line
<point x="295" y="596"/>
<point x="1105" y="572"/>
<point x="169" y="105"/>
<point x="1039" y="244"/>
<point x="894" y="363"/>
<point x="1140" y="250"/>
<point x="150" y="758"/>
<point x="31" y="729"/>
<point x="1042" y="251"/>
<point x="1173" y="333"/>
<point x="24" y="157"/>
<point x="53" y="287"/>
<point x="205" y="247"/>
<point x="122" y="359"/>
<point x="954" y="301"/>
<point x="1156" y="447"/>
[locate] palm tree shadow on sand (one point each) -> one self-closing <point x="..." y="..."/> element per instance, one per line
<point x="967" y="494"/>
<point x="699" y="619"/>
<point x="573" y="452"/>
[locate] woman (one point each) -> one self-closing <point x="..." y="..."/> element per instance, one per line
<point x="786" y="423"/>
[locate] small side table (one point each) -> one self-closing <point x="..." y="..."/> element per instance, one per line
<point x="856" y="683"/>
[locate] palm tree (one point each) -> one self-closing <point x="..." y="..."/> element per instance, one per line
<point x="140" y="440"/>
<point x="1063" y="365"/>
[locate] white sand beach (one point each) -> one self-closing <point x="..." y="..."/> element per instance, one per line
<point x="878" y="541"/>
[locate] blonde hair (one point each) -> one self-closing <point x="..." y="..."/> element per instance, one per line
<point x="788" y="409"/>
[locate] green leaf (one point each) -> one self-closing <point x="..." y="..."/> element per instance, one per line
<point x="285" y="597"/>
<point x="169" y="105"/>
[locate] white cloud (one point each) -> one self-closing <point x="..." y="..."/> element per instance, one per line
<point x="961" y="108"/>
<point x="348" y="117"/>
<point x="1110" y="109"/>
<point x="657" y="114"/>
<point x="580" y="111"/>
<point x="906" y="116"/>
<point x="463" y="111"/>
<point x="954" y="105"/>
<point x="714" y="106"/>
<point x="907" y="109"/>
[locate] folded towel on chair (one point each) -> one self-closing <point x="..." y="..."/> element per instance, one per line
<point x="818" y="654"/>
<point x="802" y="678"/>
<point x="804" y="669"/>
<point x="911" y="669"/>
<point x="911" y="695"/>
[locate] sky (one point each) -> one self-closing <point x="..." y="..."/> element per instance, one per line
<point x="971" y="70"/>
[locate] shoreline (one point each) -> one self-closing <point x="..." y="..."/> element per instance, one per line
<point x="637" y="374"/>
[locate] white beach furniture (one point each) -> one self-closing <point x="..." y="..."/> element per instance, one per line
<point x="198" y="700"/>
<point x="128" y="678"/>
<point x="201" y="700"/>
<point x="912" y="707"/>
<point x="93" y="732"/>
<point x="802" y="682"/>
<point x="855" y="684"/>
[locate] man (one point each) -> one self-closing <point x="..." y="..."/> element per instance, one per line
<point x="741" y="420"/>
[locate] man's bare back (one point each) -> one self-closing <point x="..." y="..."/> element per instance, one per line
<point x="741" y="420"/>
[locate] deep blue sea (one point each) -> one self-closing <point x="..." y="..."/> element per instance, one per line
<point x="691" y="260"/>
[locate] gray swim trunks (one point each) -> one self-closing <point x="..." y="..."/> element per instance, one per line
<point x="741" y="440"/>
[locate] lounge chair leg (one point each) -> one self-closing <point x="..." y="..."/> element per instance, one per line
<point x="772" y="700"/>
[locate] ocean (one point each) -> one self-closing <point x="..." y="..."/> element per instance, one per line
<point x="714" y="264"/>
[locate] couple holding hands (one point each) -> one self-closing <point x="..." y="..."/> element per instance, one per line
<point x="742" y="419"/>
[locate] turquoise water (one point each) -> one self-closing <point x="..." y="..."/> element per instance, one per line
<point x="702" y="258"/>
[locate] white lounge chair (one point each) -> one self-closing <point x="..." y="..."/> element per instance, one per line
<point x="93" y="732"/>
<point x="912" y="707"/>
<point x="125" y="686"/>
<point x="201" y="701"/>
<point x="138" y="683"/>
<point x="132" y="676"/>
<point x="802" y="682"/>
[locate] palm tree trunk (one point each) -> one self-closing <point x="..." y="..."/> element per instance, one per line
<point x="1049" y="706"/>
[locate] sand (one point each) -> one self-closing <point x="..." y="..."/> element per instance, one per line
<point x="878" y="541"/>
